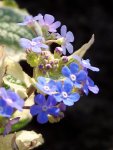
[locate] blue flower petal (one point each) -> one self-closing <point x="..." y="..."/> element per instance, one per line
<point x="68" y="102"/>
<point x="58" y="97"/>
<point x="41" y="80"/>
<point x="66" y="71"/>
<point x="78" y="85"/>
<point x="85" y="89"/>
<point x="51" y="101"/>
<point x="35" y="109"/>
<point x="42" y="118"/>
<point x="40" y="99"/>
<point x="54" y="111"/>
<point x="59" y="86"/>
<point x="81" y="76"/>
<point x="68" y="85"/>
<point x="74" y="97"/>
<point x="17" y="102"/>
<point x="51" y="84"/>
<point x="8" y="111"/>
<point x="2" y="103"/>
<point x="3" y="93"/>
<point x="74" y="68"/>
<point x="90" y="81"/>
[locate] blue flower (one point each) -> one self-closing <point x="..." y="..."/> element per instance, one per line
<point x="73" y="73"/>
<point x="89" y="85"/>
<point x="35" y="45"/>
<point x="11" y="99"/>
<point x="46" y="87"/>
<point x="48" y="22"/>
<point x="68" y="37"/>
<point x="44" y="107"/>
<point x="64" y="93"/>
<point x="86" y="64"/>
<point x="29" y="20"/>
<point x="5" y="109"/>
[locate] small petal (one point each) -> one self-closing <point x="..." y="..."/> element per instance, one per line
<point x="51" y="101"/>
<point x="64" y="50"/>
<point x="85" y="89"/>
<point x="58" y="97"/>
<point x="8" y="111"/>
<point x="35" y="109"/>
<point x="41" y="80"/>
<point x="59" y="86"/>
<point x="74" y="68"/>
<point x="90" y="82"/>
<point x="74" y="97"/>
<point x="25" y="43"/>
<point x="68" y="102"/>
<point x="42" y="118"/>
<point x="68" y="85"/>
<point x="66" y="71"/>
<point x="49" y="19"/>
<point x="40" y="99"/>
<point x="51" y="84"/>
<point x="63" y="31"/>
<point x="69" y="47"/>
<point x="94" y="89"/>
<point x="81" y="76"/>
<point x="69" y="36"/>
<point x="94" y="69"/>
<point x="36" y="49"/>
<point x="54" y="26"/>
<point x="54" y="111"/>
<point x="77" y="85"/>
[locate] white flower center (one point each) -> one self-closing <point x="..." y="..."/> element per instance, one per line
<point x="33" y="43"/>
<point x="73" y="77"/>
<point x="64" y="94"/>
<point x="46" y="88"/>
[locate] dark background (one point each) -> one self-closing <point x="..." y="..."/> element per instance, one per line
<point x="89" y="124"/>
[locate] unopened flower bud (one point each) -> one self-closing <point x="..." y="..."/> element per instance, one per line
<point x="40" y="66"/>
<point x="58" y="50"/>
<point x="48" y="66"/>
<point x="65" y="59"/>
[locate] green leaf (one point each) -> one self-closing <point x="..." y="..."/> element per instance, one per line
<point x="10" y="31"/>
<point x="10" y="3"/>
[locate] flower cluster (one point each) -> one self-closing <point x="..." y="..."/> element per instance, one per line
<point x="58" y="80"/>
<point x="62" y="83"/>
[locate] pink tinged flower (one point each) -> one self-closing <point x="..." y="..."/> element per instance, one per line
<point x="68" y="38"/>
<point x="48" y="22"/>
<point x="36" y="45"/>
<point x="28" y="20"/>
<point x="86" y="64"/>
<point x="90" y="86"/>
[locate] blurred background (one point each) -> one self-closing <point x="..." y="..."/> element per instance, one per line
<point x="88" y="124"/>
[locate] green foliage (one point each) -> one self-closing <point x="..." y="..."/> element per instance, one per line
<point x="10" y="31"/>
<point x="10" y="3"/>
